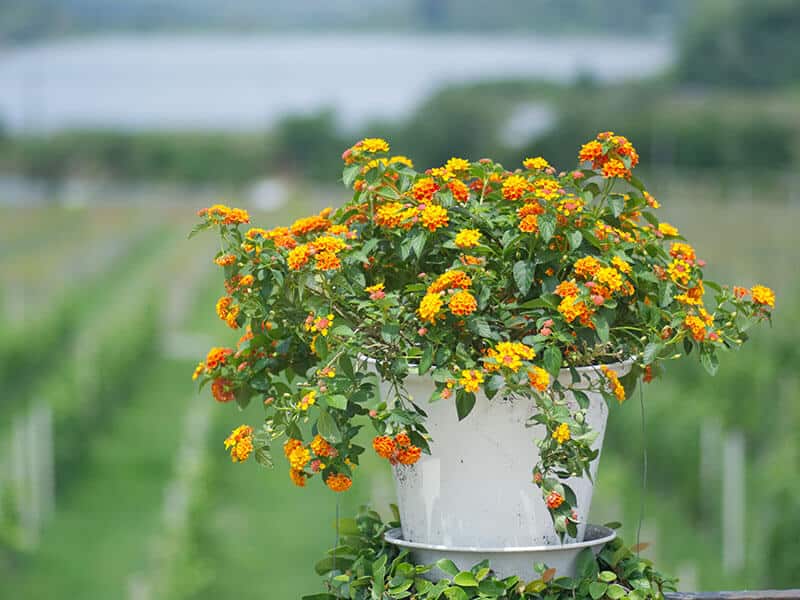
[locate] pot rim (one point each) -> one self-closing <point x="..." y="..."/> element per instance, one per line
<point x="599" y="535"/>
<point x="620" y="366"/>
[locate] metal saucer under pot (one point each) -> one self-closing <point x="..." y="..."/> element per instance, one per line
<point x="506" y="562"/>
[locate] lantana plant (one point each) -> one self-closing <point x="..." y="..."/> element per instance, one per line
<point x="484" y="279"/>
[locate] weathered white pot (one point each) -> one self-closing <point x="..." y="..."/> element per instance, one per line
<point x="475" y="489"/>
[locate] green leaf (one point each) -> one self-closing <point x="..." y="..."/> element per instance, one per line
<point x="418" y="243"/>
<point x="495" y="383"/>
<point x="328" y="564"/>
<point x="321" y="346"/>
<point x="575" y="238"/>
<point x="455" y="593"/>
<point x="491" y="587"/>
<point x="426" y="360"/>
<point x="328" y="428"/>
<point x="465" y="401"/>
<point x="581" y="398"/>
<point x="350" y="174"/>
<point x="243" y="397"/>
<point x="586" y="564"/>
<point x="523" y="276"/>
<point x="617" y="204"/>
<point x="447" y="566"/>
<point x="480" y="327"/>
<point x="342" y="330"/>
<point x="552" y="360"/>
<point x="601" y="326"/>
<point x="547" y="226"/>
<point x="198" y="228"/>
<point x="597" y="589"/>
<point x="709" y="361"/>
<point x="615" y="591"/>
<point x="263" y="457"/>
<point x="348" y="527"/>
<point x="390" y="332"/>
<point x="337" y="401"/>
<point x="607" y="576"/>
<point x="465" y="579"/>
<point x="650" y="352"/>
<point x="346" y="366"/>
<point x="665" y="297"/>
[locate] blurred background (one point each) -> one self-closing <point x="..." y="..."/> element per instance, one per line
<point x="119" y="120"/>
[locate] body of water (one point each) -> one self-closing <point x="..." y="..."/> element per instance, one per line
<point x="243" y="82"/>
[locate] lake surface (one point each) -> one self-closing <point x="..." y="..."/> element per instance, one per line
<point x="243" y="82"/>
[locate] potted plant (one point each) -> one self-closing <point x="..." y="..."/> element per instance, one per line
<point x="481" y="320"/>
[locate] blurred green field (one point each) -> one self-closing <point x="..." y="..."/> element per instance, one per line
<point x="107" y="309"/>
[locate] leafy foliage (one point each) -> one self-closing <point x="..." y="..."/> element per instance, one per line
<point x="366" y="567"/>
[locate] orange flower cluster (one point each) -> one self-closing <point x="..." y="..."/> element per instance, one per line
<point x="459" y="190"/>
<point x="462" y="303"/>
<point x="587" y="267"/>
<point x="515" y="187"/>
<point x="613" y="154"/>
<point x="338" y="482"/>
<point x="554" y="500"/>
<point x="228" y="311"/>
<point x="217" y="357"/>
<point x="313" y="223"/>
<point x="240" y="443"/>
<point x="571" y="308"/>
<point x="224" y="215"/>
<point x="396" y="214"/>
<point x="450" y="280"/>
<point x="225" y="260"/>
<point x="222" y="390"/>
<point x="424" y="189"/>
<point x="399" y="450"/>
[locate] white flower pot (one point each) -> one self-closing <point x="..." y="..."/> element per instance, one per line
<point x="475" y="488"/>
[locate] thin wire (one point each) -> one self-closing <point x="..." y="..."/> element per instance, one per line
<point x="644" y="470"/>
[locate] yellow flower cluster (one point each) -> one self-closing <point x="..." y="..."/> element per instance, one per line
<point x="471" y="380"/>
<point x="434" y="217"/>
<point x="467" y="238"/>
<point x="763" y="295"/>
<point x="616" y="386"/>
<point x="307" y="401"/>
<point x="508" y="355"/>
<point x="536" y="164"/>
<point x="515" y="187"/>
<point x="320" y="325"/>
<point x="539" y="378"/>
<point x="461" y="303"/>
<point x="561" y="433"/>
